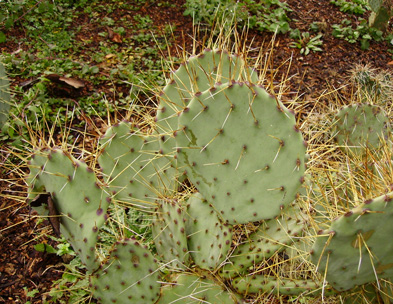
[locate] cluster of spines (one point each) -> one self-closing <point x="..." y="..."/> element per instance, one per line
<point x="360" y="127"/>
<point x="135" y="170"/>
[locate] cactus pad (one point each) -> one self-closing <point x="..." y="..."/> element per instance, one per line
<point x="280" y="286"/>
<point x="272" y="236"/>
<point x="375" y="5"/>
<point x="77" y="196"/>
<point x="136" y="172"/>
<point x="242" y="150"/>
<point x="357" y="248"/>
<point x="169" y="233"/>
<point x="197" y="74"/>
<point x="129" y="276"/>
<point x="209" y="240"/>
<point x="5" y="97"/>
<point x="360" y="126"/>
<point x="192" y="289"/>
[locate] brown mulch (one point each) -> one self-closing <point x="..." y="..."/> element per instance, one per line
<point x="23" y="269"/>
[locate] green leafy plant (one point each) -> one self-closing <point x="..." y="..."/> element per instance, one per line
<point x="305" y="42"/>
<point x="267" y="15"/>
<point x="362" y="33"/>
<point x="356" y="7"/>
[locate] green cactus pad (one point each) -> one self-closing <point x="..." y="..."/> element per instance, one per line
<point x="169" y="234"/>
<point x="357" y="248"/>
<point x="135" y="170"/>
<point x="209" y="240"/>
<point x="5" y="97"/>
<point x="375" y="5"/>
<point x="242" y="150"/>
<point x="360" y="126"/>
<point x="380" y="19"/>
<point x="129" y="276"/>
<point x="190" y="288"/>
<point x="272" y="236"/>
<point x="197" y="74"/>
<point x="78" y="198"/>
<point x="280" y="286"/>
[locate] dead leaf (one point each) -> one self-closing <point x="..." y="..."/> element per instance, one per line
<point x="76" y="83"/>
<point x="115" y="37"/>
<point x="73" y="82"/>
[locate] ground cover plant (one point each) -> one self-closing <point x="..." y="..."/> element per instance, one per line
<point x="280" y="254"/>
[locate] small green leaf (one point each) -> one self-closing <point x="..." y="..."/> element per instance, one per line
<point x="42" y="247"/>
<point x="32" y="293"/>
<point x="69" y="277"/>
<point x="3" y="38"/>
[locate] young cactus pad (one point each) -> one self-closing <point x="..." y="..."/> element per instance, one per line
<point x="130" y="276"/>
<point x="135" y="170"/>
<point x="77" y="196"/>
<point x="360" y="126"/>
<point x="209" y="240"/>
<point x="242" y="149"/>
<point x="169" y="233"/>
<point x="193" y="289"/>
<point x="357" y="248"/>
<point x="197" y="74"/>
<point x="4" y="96"/>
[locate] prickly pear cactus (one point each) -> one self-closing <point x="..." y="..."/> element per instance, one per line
<point x="209" y="240"/>
<point x="130" y="275"/>
<point x="5" y="97"/>
<point x="373" y="86"/>
<point x="272" y="236"/>
<point x="357" y="247"/>
<point x="77" y="196"/>
<point x="135" y="170"/>
<point x="169" y="234"/>
<point x="359" y="127"/>
<point x="242" y="150"/>
<point x="189" y="289"/>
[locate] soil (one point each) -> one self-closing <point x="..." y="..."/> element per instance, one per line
<point x="23" y="269"/>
